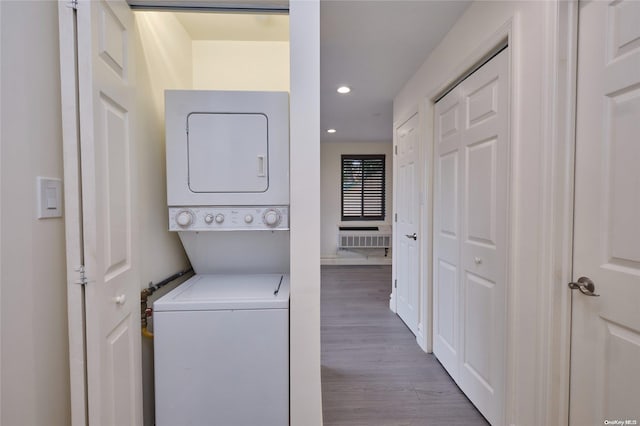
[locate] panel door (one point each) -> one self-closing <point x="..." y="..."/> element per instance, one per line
<point x="605" y="342"/>
<point x="484" y="219"/>
<point x="446" y="225"/>
<point x="106" y="102"/>
<point x="470" y="225"/>
<point x="407" y="210"/>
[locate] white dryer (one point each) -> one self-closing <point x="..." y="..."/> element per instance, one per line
<point x="228" y="170"/>
<point x="227" y="148"/>
<point x="222" y="351"/>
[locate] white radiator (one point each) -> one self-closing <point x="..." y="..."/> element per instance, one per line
<point x="361" y="239"/>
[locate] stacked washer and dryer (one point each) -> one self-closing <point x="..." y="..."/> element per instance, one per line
<point x="222" y="337"/>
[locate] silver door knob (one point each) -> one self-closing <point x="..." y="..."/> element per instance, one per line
<point x="414" y="236"/>
<point x="585" y="285"/>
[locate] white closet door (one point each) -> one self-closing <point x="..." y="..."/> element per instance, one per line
<point x="106" y="101"/>
<point x="605" y="335"/>
<point x="484" y="208"/>
<point x="470" y="218"/>
<point x="407" y="209"/>
<point x="446" y="245"/>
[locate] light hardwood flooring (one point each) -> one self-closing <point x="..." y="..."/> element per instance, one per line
<point x="373" y="372"/>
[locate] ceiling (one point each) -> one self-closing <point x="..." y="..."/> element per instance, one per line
<point x="372" y="46"/>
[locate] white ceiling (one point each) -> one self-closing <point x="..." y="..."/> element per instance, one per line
<point x="372" y="46"/>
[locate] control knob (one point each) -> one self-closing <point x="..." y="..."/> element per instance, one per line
<point x="248" y="218"/>
<point x="184" y="218"/>
<point x="219" y="218"/>
<point x="208" y="218"/>
<point x="271" y="217"/>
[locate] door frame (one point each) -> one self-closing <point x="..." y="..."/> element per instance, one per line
<point x="552" y="339"/>
<point x="503" y="39"/>
<point x="554" y="346"/>
<point x="73" y="212"/>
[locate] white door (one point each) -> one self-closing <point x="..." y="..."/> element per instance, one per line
<point x="605" y="343"/>
<point x="406" y="228"/>
<point x="106" y="101"/>
<point x="446" y="244"/>
<point x="470" y="225"/>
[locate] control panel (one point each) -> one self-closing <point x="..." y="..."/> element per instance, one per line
<point x="213" y="218"/>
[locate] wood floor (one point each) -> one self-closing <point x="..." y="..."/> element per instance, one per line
<point x="373" y="372"/>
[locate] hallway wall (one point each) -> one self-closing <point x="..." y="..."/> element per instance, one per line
<point x="34" y="346"/>
<point x="533" y="27"/>
<point x="330" y="202"/>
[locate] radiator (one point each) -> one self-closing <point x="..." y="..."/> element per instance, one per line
<point x="369" y="239"/>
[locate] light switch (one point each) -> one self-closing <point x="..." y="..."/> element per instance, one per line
<point x="49" y="198"/>
<point x="52" y="198"/>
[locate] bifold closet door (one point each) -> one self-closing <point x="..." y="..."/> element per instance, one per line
<point x="107" y="117"/>
<point x="470" y="225"/>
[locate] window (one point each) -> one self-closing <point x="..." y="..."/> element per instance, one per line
<point x="363" y="187"/>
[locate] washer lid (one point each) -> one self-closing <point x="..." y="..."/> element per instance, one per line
<point x="225" y="292"/>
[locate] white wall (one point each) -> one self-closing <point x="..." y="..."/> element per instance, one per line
<point x="164" y="61"/>
<point x="34" y="360"/>
<point x="532" y="78"/>
<point x="305" y="389"/>
<point x="166" y="56"/>
<point x="241" y="65"/>
<point x="330" y="199"/>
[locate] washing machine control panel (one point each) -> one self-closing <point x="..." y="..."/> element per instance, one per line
<point x="209" y="218"/>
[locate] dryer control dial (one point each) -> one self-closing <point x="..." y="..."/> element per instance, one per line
<point x="271" y="217"/>
<point x="184" y="218"/>
<point x="228" y="218"/>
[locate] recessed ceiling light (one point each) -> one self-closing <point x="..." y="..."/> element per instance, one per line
<point x="331" y="130"/>
<point x="344" y="89"/>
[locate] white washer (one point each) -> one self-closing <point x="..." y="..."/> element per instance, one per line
<point x="222" y="351"/>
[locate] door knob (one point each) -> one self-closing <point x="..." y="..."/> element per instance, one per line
<point x="120" y="299"/>
<point x="414" y="236"/>
<point x="585" y="285"/>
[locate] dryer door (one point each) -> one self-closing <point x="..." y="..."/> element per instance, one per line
<point x="228" y="152"/>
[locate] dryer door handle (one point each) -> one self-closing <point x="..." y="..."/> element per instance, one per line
<point x="261" y="166"/>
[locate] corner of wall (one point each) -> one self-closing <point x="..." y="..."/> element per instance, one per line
<point x="305" y="386"/>
<point x="33" y="334"/>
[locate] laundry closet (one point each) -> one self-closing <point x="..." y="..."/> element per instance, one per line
<point x="221" y="339"/>
<point x="116" y="65"/>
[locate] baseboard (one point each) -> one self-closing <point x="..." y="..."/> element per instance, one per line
<point x="421" y="338"/>
<point x="377" y="260"/>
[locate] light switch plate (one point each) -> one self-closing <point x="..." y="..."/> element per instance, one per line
<point x="49" y="197"/>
